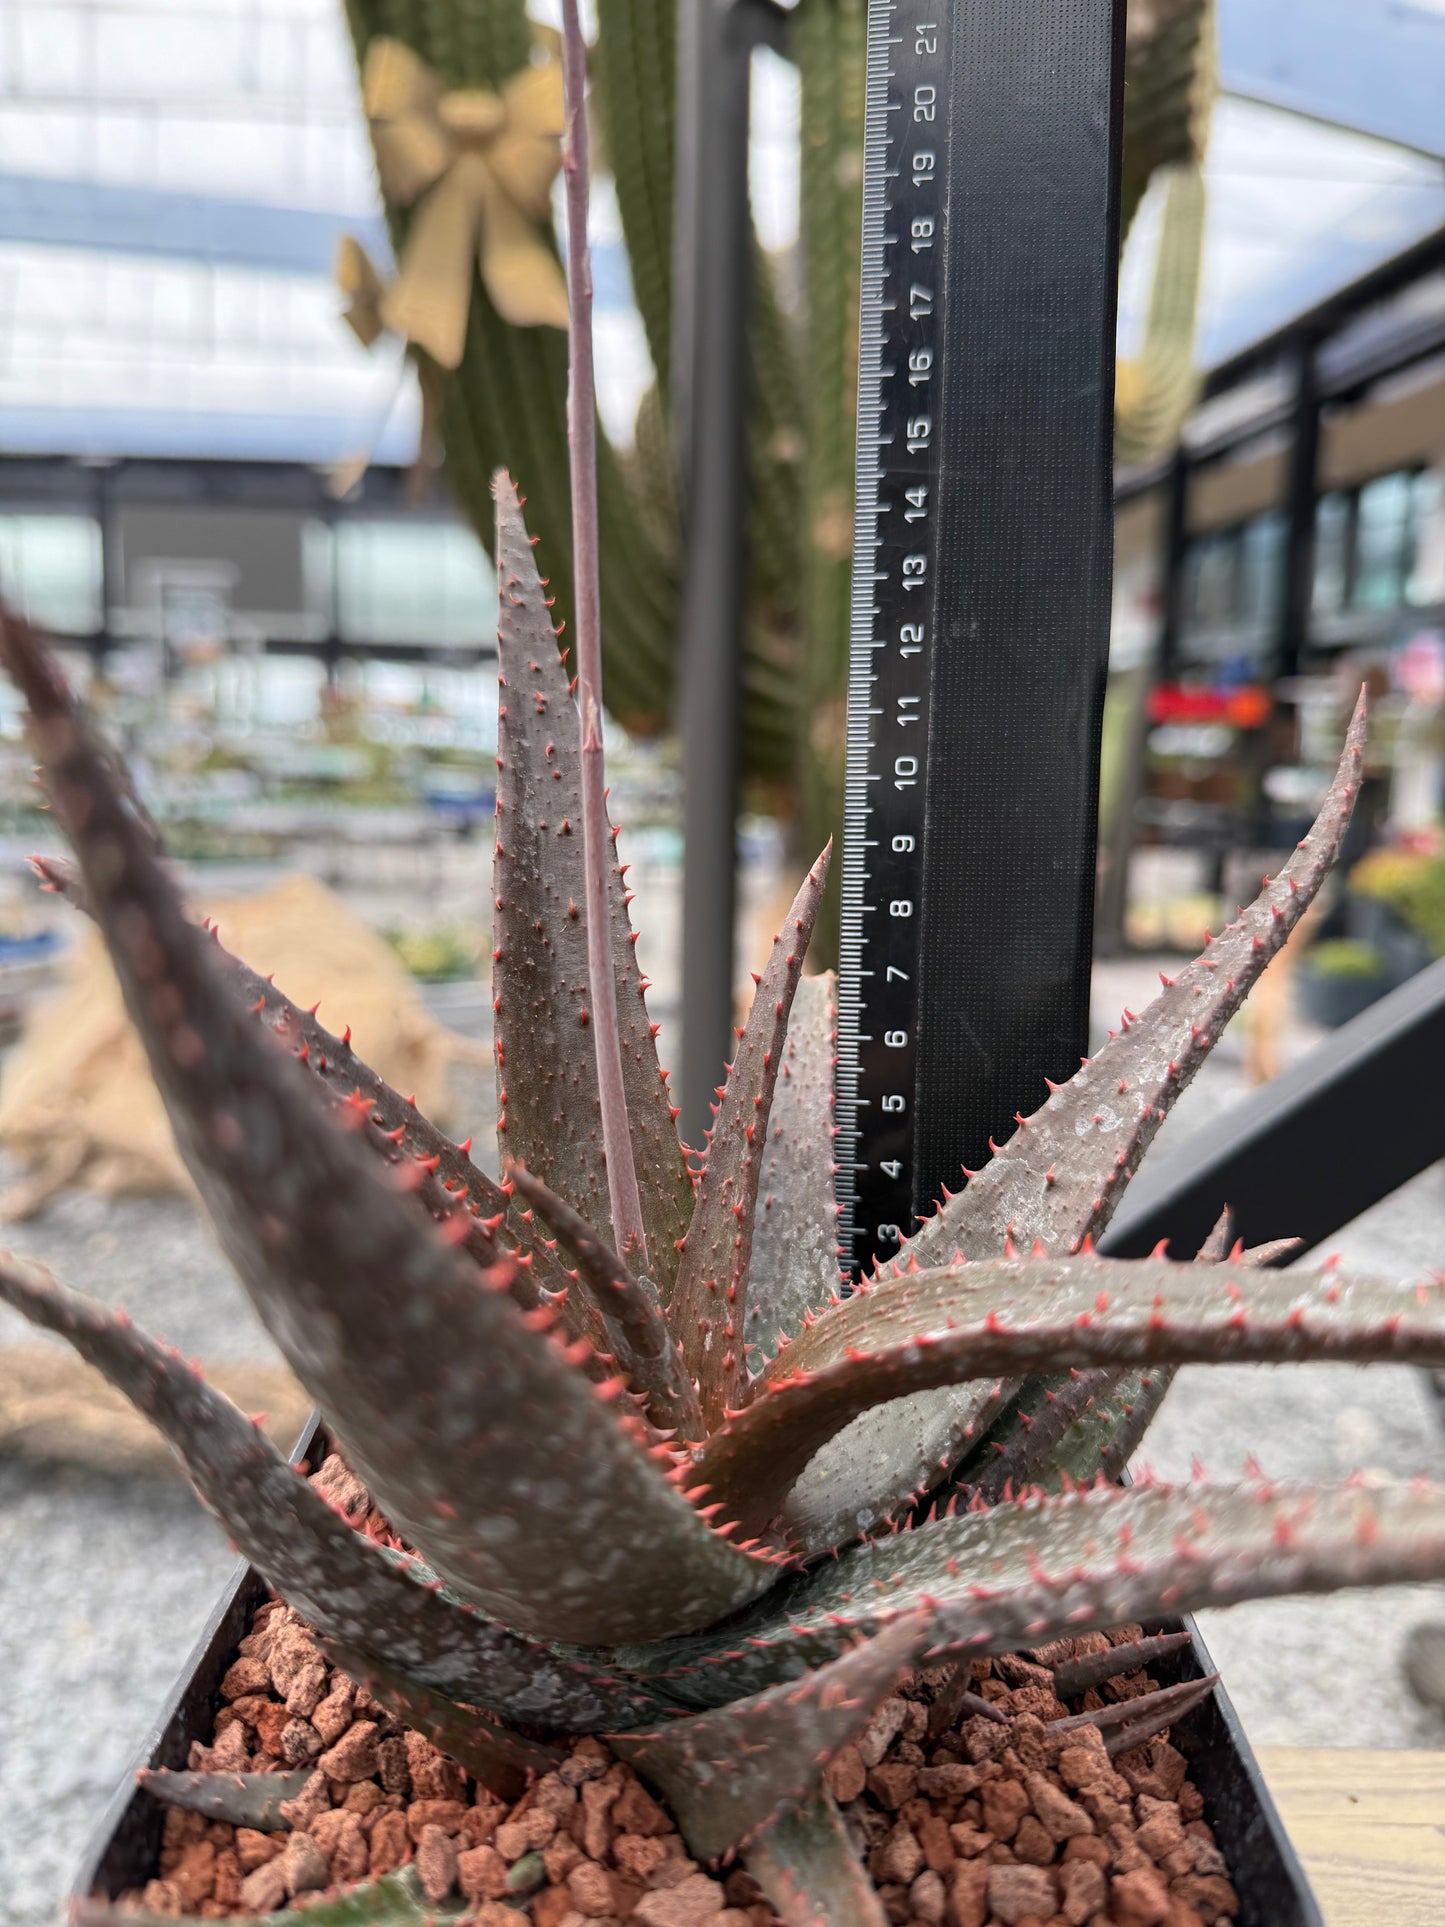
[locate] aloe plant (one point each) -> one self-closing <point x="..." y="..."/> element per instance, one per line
<point x="594" y="1400"/>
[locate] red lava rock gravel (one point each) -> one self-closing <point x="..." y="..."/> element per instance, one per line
<point x="987" y="1825"/>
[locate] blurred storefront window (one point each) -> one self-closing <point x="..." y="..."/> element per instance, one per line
<point x="417" y="582"/>
<point x="50" y="568"/>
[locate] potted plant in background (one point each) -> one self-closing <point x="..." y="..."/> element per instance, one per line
<point x="845" y="1581"/>
<point x="1341" y="976"/>
<point x="1396" y="900"/>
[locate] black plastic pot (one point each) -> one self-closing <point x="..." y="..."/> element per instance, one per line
<point x="1332" y="1001"/>
<point x="1272" y="1888"/>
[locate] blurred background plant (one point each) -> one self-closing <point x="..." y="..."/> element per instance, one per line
<point x="503" y="401"/>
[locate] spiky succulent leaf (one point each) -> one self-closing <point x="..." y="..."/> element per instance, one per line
<point x="1076" y="1676"/>
<point x="1029" y="1432"/>
<point x="1129" y="1723"/>
<point x="1059" y="1431"/>
<point x="709" y="1306"/>
<point x="1063" y="1172"/>
<point x="243" y="1799"/>
<point x="805" y="1864"/>
<point x="547" y="1095"/>
<point x="347" y="1586"/>
<point x="428" y="1374"/>
<point x="395" y="1900"/>
<point x="447" y="1181"/>
<point x="884" y="1462"/>
<point x="730" y="1773"/>
<point x="1022" y="1573"/>
<point x="923" y="1329"/>
<point x="636" y="1333"/>
<point x="795" y="1266"/>
<point x="495" y="1755"/>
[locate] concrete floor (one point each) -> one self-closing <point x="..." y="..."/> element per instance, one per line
<point x="104" y="1584"/>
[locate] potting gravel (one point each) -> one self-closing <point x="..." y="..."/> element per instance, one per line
<point x="105" y="1584"/>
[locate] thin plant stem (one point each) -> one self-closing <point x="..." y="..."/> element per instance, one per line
<point x="622" y="1189"/>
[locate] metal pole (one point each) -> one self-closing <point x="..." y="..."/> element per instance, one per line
<point x="710" y="379"/>
<point x="1176" y="543"/>
<point x="1299" y="558"/>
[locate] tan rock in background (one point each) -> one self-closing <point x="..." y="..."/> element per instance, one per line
<point x="78" y="1106"/>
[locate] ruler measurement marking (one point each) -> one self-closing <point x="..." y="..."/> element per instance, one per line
<point x="891" y="619"/>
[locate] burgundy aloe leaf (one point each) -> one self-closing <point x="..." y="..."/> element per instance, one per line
<point x="1075" y="1676"/>
<point x="495" y="1755"/>
<point x="708" y="1311"/>
<point x="925" y="1329"/>
<point x="1129" y="1723"/>
<point x="1031" y="1430"/>
<point x="449" y="1181"/>
<point x="547" y="1092"/>
<point x="1020" y="1574"/>
<point x="1216" y="1245"/>
<point x="243" y="1799"/>
<point x="629" y="1229"/>
<point x="731" y="1773"/>
<point x="806" y="1865"/>
<point x="1061" y="1175"/>
<point x="1107" y="1434"/>
<point x="884" y="1463"/>
<point x="636" y="1333"/>
<point x="795" y="1266"/>
<point x="428" y="1374"/>
<point x="349" y="1588"/>
<point x="393" y="1900"/>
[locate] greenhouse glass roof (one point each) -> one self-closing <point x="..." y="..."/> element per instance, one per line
<point x="174" y="175"/>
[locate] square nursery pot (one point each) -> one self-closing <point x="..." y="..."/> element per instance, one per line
<point x="1267" y="1876"/>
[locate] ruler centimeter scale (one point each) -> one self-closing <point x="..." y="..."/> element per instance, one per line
<point x="981" y="584"/>
<point x="890" y="670"/>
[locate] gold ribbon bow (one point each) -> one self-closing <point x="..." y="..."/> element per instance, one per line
<point x="479" y="168"/>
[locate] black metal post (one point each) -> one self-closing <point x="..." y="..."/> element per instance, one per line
<point x="1299" y="558"/>
<point x="1316" y="1146"/>
<point x="1175" y="548"/>
<point x="712" y="242"/>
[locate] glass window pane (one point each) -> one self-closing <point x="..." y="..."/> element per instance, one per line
<point x="424" y="583"/>
<point x="1213" y="589"/>
<point x="1262" y="570"/>
<point x="1426" y="582"/>
<point x="1332" y="553"/>
<point x="50" y="565"/>
<point x="1382" y="540"/>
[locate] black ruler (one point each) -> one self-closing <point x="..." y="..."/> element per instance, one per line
<point x="981" y="585"/>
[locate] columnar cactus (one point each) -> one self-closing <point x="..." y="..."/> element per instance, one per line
<point x="503" y="405"/>
<point x="645" y="1467"/>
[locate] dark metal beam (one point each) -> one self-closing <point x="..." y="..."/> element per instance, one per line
<point x="1422" y="257"/>
<point x="42" y="482"/>
<point x="1306" y="1154"/>
<point x="1174" y="547"/>
<point x="713" y="240"/>
<point x="1299" y="551"/>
